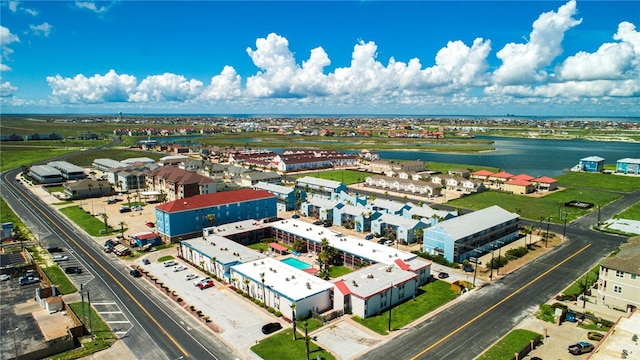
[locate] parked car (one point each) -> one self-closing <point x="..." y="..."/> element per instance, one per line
<point x="150" y="224"/>
<point x="5" y="277"/>
<point x="110" y="243"/>
<point x="271" y="327"/>
<point x="146" y="261"/>
<point x="318" y="222"/>
<point x="125" y="209"/>
<point x="368" y="236"/>
<point x="443" y="275"/>
<point x="54" y="249"/>
<point x="28" y="279"/>
<point x="169" y="263"/>
<point x="137" y="208"/>
<point x="57" y="258"/>
<point x="205" y="285"/>
<point x="327" y="224"/>
<point x="582" y="347"/>
<point x="201" y="280"/>
<point x="295" y="216"/>
<point x="73" y="270"/>
<point x="190" y="277"/>
<point x="388" y="242"/>
<point x="467" y="268"/>
<point x="135" y="273"/>
<point x="179" y="268"/>
<point x="593" y="335"/>
<point x="111" y="201"/>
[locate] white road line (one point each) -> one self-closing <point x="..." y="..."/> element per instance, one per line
<point x="110" y="312"/>
<point x="119" y="322"/>
<point x="106" y="303"/>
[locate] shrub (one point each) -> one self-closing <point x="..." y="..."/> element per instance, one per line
<point x="199" y="312"/>
<point x="239" y="291"/>
<point x="517" y="252"/>
<point x="245" y="294"/>
<point x="179" y="300"/>
<point x="271" y="309"/>
<point x="277" y="313"/>
<point x="193" y="308"/>
<point x="498" y="262"/>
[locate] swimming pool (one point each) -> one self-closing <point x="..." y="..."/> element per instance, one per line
<point x="296" y="263"/>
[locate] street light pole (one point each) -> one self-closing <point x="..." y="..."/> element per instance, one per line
<point x="491" y="264"/>
<point x="546" y="235"/>
<point x="499" y="252"/>
<point x="564" y="229"/>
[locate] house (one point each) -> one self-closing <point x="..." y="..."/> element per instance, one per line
<point x="87" y="188"/>
<point x="251" y="178"/>
<point x="472" y="234"/>
<point x="173" y="160"/>
<point x="130" y="177"/>
<point x="288" y="197"/>
<point x="415" y="187"/>
<point x="353" y="217"/>
<point x="185" y="218"/>
<point x="316" y="187"/>
<point x="590" y="164"/>
<point x="518" y="186"/>
<point x="545" y="183"/>
<point x="45" y="174"/>
<point x="481" y="175"/>
<point x="497" y="180"/>
<point x="619" y="278"/>
<point x="319" y="208"/>
<point x="403" y="230"/>
<point x="628" y="166"/>
<point x="178" y="184"/>
<point x="147" y="238"/>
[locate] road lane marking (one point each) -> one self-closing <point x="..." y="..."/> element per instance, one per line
<point x="499" y="303"/>
<point x="51" y="222"/>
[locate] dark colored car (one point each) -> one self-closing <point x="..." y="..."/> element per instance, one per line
<point x="135" y="273"/>
<point x="111" y="201"/>
<point x="125" y="209"/>
<point x="443" y="275"/>
<point x="146" y="261"/>
<point x="271" y="327"/>
<point x="318" y="222"/>
<point x="295" y="216"/>
<point x="73" y="270"/>
<point x="54" y="249"/>
<point x="368" y="236"/>
<point x="328" y="224"/>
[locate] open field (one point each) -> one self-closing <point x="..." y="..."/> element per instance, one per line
<point x="608" y="182"/>
<point x="538" y="208"/>
<point x="282" y="346"/>
<point x="15" y="156"/>
<point x="82" y="159"/>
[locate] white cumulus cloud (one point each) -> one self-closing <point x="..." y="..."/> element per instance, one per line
<point x="91" y="5"/>
<point x="227" y="85"/>
<point x="96" y="89"/>
<point x="166" y="87"/>
<point x="6" y="89"/>
<point x="43" y="29"/>
<point x="6" y="39"/>
<point x="525" y="63"/>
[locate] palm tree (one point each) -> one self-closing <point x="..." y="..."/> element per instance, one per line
<point x="418" y="234"/>
<point x="120" y="182"/>
<point x="325" y="257"/>
<point x="100" y="185"/>
<point x="104" y="218"/>
<point x="90" y="186"/>
<point x="264" y="291"/>
<point x="246" y="285"/>
<point x="129" y="200"/>
<point x="211" y="218"/>
<point x="293" y="318"/>
<point x="306" y="338"/>
<point x="213" y="263"/>
<point x="122" y="225"/>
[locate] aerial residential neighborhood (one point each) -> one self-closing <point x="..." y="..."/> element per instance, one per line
<point x="249" y="226"/>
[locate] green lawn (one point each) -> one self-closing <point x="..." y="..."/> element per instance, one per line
<point x="632" y="213"/>
<point x="347" y="177"/>
<point x="591" y="277"/>
<point x="86" y="159"/>
<point x="338" y="270"/>
<point x="7" y="214"/>
<point x="165" y="258"/>
<point x="537" y="208"/>
<point x="546" y="313"/>
<point x="608" y="182"/>
<point x="512" y="343"/>
<point x="90" y="224"/>
<point x="60" y="279"/>
<point x="282" y="346"/>
<point x="432" y="296"/>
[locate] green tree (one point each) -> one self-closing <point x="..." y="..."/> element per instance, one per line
<point x="211" y="218"/>
<point x="293" y="318"/>
<point x="122" y="225"/>
<point x="325" y="258"/>
<point x="264" y="291"/>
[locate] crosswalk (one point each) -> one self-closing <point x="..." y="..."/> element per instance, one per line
<point x="113" y="316"/>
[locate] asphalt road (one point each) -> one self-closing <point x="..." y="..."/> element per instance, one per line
<point x="466" y="329"/>
<point x="158" y="329"/>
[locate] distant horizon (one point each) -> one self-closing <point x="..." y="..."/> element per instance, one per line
<point x="566" y="58"/>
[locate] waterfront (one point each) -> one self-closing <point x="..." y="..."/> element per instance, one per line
<point x="536" y="157"/>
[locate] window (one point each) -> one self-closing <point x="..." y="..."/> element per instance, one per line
<point x="617" y="289"/>
<point x="633" y="276"/>
<point x="619" y="274"/>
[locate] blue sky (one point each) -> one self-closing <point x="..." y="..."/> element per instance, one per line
<point x="558" y="58"/>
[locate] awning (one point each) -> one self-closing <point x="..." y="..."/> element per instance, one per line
<point x="277" y="247"/>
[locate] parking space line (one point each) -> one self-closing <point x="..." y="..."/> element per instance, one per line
<point x="119" y="322"/>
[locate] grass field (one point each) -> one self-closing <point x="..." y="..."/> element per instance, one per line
<point x="632" y="213"/>
<point x="18" y="156"/>
<point x="607" y="182"/>
<point x="551" y="205"/>
<point x="512" y="343"/>
<point x="90" y="224"/>
<point x="433" y="296"/>
<point x="60" y="279"/>
<point x="282" y="346"/>
<point x="347" y="177"/>
<point x="589" y="278"/>
<point x="7" y="214"/>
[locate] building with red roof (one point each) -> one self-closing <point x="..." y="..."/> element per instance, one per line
<point x="545" y="183"/>
<point x="518" y="186"/>
<point x="185" y="218"/>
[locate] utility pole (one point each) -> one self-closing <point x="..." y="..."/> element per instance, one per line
<point x="564" y="229"/>
<point x="491" y="264"/>
<point x="499" y="251"/>
<point x="546" y="235"/>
